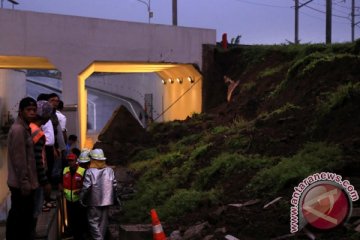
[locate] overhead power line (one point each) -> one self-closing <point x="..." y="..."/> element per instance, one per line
<point x="328" y="16"/>
<point x="322" y="19"/>
<point x="342" y="6"/>
<point x="262" y="4"/>
<point x="336" y="7"/>
<point x="334" y="15"/>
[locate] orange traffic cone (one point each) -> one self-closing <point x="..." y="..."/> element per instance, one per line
<point x="158" y="232"/>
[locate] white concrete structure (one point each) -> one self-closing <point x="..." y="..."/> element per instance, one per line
<point x="133" y="86"/>
<point x="73" y="44"/>
<point x="12" y="88"/>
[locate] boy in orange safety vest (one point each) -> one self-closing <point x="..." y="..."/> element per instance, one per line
<point x="73" y="177"/>
<point x="43" y="113"/>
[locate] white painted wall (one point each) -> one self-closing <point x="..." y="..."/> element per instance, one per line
<point x="133" y="86"/>
<point x="12" y="90"/>
<point x="72" y="43"/>
<point x="4" y="190"/>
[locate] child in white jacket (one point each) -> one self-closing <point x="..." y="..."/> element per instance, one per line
<point x="98" y="193"/>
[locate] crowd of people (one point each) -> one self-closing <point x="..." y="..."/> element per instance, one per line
<point x="42" y="158"/>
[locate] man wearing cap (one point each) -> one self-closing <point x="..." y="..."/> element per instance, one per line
<point x="98" y="193"/>
<point x="22" y="174"/>
<point x="73" y="177"/>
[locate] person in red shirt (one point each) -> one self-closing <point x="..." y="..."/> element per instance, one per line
<point x="73" y="177"/>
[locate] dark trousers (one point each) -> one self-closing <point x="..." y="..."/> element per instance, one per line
<point x="77" y="219"/>
<point x="19" y="224"/>
<point x="49" y="152"/>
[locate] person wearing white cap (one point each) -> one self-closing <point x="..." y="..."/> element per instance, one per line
<point x="98" y="193"/>
<point x="84" y="159"/>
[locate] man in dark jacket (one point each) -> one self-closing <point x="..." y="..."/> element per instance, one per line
<point x="22" y="174"/>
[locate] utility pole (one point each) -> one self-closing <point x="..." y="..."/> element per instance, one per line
<point x="148" y="6"/>
<point x="296" y="22"/>
<point x="174" y="12"/>
<point x="297" y="7"/>
<point x="353" y="23"/>
<point x="352" y="20"/>
<point x="328" y="21"/>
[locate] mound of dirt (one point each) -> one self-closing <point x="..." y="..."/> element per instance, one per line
<point x="288" y="99"/>
<point x="284" y="119"/>
<point x="120" y="136"/>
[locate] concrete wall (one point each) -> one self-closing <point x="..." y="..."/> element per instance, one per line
<point x="12" y="90"/>
<point x="72" y="43"/>
<point x="133" y="86"/>
<point x="4" y="190"/>
<point x="214" y="89"/>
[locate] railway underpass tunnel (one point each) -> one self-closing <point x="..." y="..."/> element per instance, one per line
<point x="150" y="91"/>
<point x="164" y="91"/>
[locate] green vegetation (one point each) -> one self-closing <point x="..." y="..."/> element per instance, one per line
<point x="162" y="178"/>
<point x="314" y="157"/>
<point x="235" y="143"/>
<point x="271" y="71"/>
<point x="239" y="123"/>
<point x="262" y="148"/>
<point x="247" y="86"/>
<point x="285" y="108"/>
<point x="185" y="200"/>
<point x="225" y="165"/>
<point x="145" y="154"/>
<point x="337" y="98"/>
<point x="219" y="130"/>
<point x="308" y="57"/>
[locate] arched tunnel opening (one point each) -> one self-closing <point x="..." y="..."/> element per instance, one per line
<point x="155" y="91"/>
<point x="106" y="92"/>
<point x="178" y="89"/>
<point x="150" y="92"/>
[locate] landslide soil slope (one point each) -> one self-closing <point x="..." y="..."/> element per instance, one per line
<point x="287" y="97"/>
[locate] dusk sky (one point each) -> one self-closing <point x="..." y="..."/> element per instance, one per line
<point x="257" y="21"/>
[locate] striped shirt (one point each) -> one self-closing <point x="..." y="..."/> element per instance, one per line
<point x="40" y="161"/>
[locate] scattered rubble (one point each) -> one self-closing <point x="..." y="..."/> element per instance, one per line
<point x="230" y="237"/>
<point x="272" y="202"/>
<point x="248" y="203"/>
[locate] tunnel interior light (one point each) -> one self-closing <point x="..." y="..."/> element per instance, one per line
<point x="170" y="80"/>
<point x="163" y="81"/>
<point x="191" y="80"/>
<point x="179" y="80"/>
